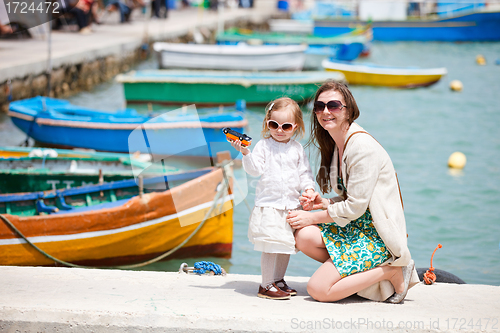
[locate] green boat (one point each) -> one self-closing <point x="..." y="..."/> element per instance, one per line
<point x="54" y="171"/>
<point x="205" y="87"/>
<point x="236" y="35"/>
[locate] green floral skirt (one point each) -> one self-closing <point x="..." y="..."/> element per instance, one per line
<point x="357" y="247"/>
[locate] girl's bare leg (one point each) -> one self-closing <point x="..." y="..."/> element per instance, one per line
<point x="326" y="285"/>
<point x="310" y="242"/>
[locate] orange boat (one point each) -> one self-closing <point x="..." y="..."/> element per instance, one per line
<point x="131" y="230"/>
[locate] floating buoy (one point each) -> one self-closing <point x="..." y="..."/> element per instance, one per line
<point x="457" y="160"/>
<point x="497" y="62"/>
<point x="480" y="60"/>
<point x="456" y="85"/>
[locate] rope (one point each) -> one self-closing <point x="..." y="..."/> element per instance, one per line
<point x="203" y="266"/>
<point x="429" y="276"/>
<point x="222" y="189"/>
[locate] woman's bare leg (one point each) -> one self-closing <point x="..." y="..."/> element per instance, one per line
<point x="310" y="242"/>
<point x="326" y="285"/>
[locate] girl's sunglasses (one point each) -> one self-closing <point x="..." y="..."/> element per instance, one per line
<point x="286" y="127"/>
<point x="331" y="105"/>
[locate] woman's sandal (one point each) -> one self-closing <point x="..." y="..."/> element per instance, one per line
<point x="407" y="272"/>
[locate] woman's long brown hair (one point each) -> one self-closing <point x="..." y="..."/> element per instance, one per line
<point x="321" y="139"/>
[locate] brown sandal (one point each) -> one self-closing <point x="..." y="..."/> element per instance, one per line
<point x="268" y="292"/>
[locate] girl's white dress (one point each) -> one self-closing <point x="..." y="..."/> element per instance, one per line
<point x="285" y="174"/>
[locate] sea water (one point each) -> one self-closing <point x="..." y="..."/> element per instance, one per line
<point x="420" y="128"/>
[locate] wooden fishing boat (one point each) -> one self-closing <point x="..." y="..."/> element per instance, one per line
<point x="376" y="75"/>
<point x="15" y="151"/>
<point x="114" y="224"/>
<point x="182" y="132"/>
<point x="45" y="170"/>
<point x="290" y="26"/>
<point x="220" y="87"/>
<point x="347" y="46"/>
<point x="241" y="57"/>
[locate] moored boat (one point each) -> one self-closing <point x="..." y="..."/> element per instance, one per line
<point x="115" y="223"/>
<point x="242" y="56"/>
<point x="377" y="75"/>
<point x="44" y="169"/>
<point x="291" y="26"/>
<point x="220" y="87"/>
<point x="182" y="132"/>
<point x="347" y="46"/>
<point x="461" y="22"/>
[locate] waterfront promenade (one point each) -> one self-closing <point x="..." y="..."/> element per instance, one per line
<point x="81" y="61"/>
<point x="48" y="299"/>
<point x="19" y="58"/>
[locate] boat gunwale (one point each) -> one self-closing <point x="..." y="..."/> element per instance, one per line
<point x="382" y="70"/>
<point x="228" y="50"/>
<point x="127" y="126"/>
<point x="310" y="77"/>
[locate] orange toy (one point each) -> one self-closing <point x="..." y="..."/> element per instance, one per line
<point x="233" y="135"/>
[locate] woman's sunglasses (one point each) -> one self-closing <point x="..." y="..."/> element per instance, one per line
<point x="286" y="127"/>
<point x="331" y="105"/>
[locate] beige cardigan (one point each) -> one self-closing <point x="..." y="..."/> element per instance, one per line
<point x="371" y="182"/>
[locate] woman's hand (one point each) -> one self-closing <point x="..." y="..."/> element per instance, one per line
<point x="299" y="219"/>
<point x="237" y="145"/>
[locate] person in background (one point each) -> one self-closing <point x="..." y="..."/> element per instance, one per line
<point x="156" y="6"/>
<point x="360" y="235"/>
<point x="125" y="7"/>
<point x="284" y="173"/>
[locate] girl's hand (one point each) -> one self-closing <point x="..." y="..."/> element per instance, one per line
<point x="311" y="200"/>
<point x="299" y="219"/>
<point x="237" y="145"/>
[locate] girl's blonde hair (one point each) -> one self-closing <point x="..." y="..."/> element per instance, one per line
<point x="281" y="104"/>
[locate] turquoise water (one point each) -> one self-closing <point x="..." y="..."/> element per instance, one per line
<point x="419" y="128"/>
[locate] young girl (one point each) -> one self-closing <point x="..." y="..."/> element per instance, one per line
<point x="285" y="173"/>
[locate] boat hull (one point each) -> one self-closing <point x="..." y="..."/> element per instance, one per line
<point x="105" y="132"/>
<point x="388" y="77"/>
<point x="231" y="57"/>
<point x="216" y="88"/>
<point x="138" y="230"/>
<point x="472" y="27"/>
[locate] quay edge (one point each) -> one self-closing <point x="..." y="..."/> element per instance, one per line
<point x="49" y="299"/>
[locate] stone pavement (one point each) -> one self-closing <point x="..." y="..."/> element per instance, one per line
<point x="49" y="299"/>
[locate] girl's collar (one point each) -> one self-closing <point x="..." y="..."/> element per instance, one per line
<point x="274" y="141"/>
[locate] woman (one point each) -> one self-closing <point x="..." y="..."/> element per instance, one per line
<point x="360" y="236"/>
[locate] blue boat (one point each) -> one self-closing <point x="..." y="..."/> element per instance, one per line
<point x="346" y="46"/>
<point x="182" y="132"/>
<point x="475" y="24"/>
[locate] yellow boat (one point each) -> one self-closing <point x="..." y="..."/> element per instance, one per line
<point x="376" y="75"/>
<point x="125" y="231"/>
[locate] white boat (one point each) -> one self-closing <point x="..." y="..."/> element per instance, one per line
<point x="291" y="26"/>
<point x="231" y="57"/>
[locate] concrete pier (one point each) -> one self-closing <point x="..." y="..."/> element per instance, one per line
<point x="43" y="299"/>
